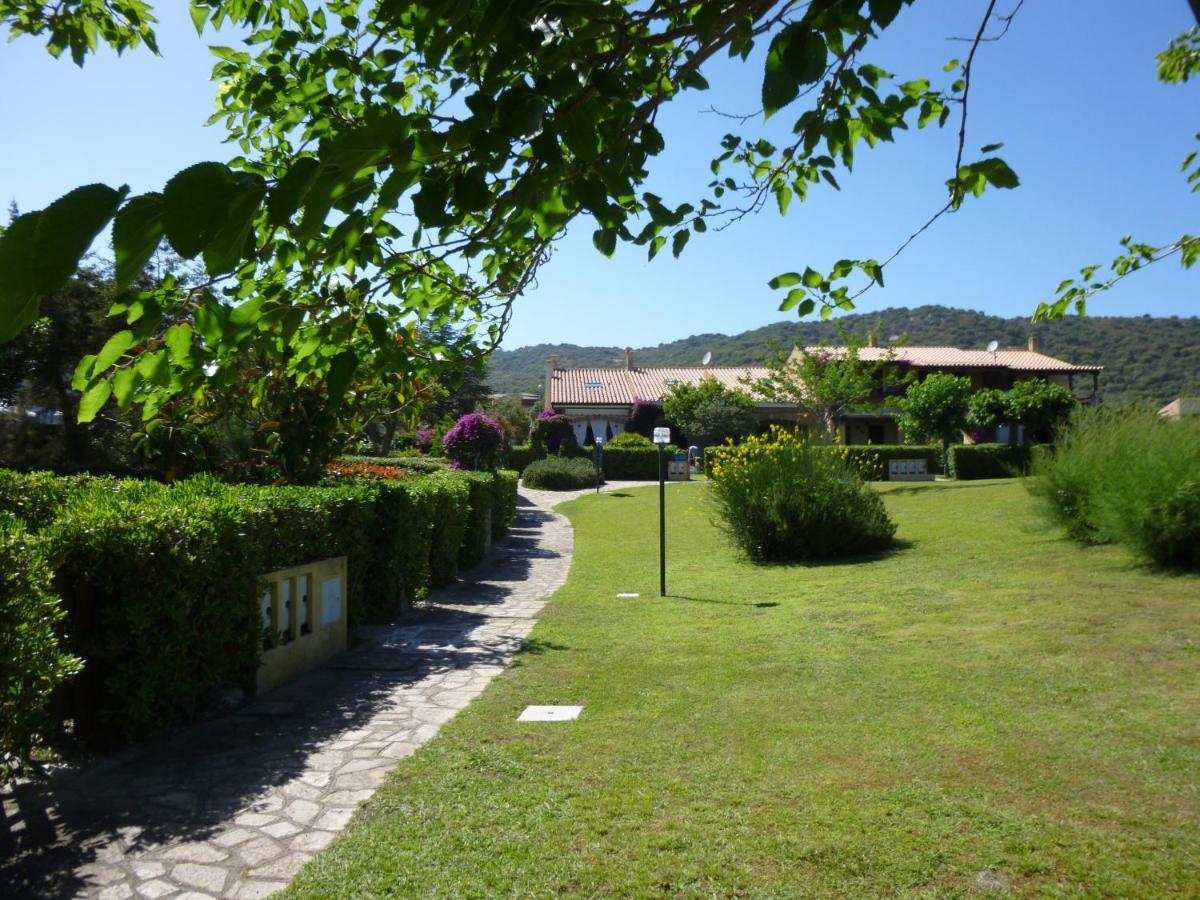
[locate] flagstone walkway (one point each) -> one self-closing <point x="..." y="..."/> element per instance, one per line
<point x="235" y="806"/>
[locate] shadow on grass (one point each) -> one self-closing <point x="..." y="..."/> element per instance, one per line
<point x="747" y="604"/>
<point x="537" y="646"/>
<point x="900" y="545"/>
<point x="923" y="487"/>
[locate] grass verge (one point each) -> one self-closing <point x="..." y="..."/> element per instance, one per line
<point x="990" y="707"/>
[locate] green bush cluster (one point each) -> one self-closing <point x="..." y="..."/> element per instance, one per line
<point x="634" y="463"/>
<point x="971" y="461"/>
<point x="412" y="463"/>
<point x="629" y="439"/>
<point x="520" y="456"/>
<point x="557" y="473"/>
<point x="784" y="497"/>
<point x="1129" y="477"/>
<point x="158" y="581"/>
<point x="32" y="660"/>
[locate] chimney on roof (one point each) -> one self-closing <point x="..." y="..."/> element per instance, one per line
<point x="1034" y="344"/>
<point x="551" y="368"/>
<point x="628" y="359"/>
<point x="872" y="339"/>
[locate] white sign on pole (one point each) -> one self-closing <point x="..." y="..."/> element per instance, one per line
<point x="662" y="435"/>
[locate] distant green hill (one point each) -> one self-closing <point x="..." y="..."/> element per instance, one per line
<point x="1144" y="358"/>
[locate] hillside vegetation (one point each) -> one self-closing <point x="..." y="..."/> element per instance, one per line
<point x="1144" y="358"/>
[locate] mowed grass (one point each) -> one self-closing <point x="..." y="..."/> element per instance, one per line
<point x="989" y="708"/>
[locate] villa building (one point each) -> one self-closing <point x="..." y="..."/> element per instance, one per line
<point x="603" y="399"/>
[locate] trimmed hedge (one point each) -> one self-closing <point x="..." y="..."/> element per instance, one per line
<point x="412" y="463"/>
<point x="556" y="473"/>
<point x="32" y="662"/>
<point x="972" y="461"/>
<point x="520" y="456"/>
<point x="159" y="581"/>
<point x="634" y="463"/>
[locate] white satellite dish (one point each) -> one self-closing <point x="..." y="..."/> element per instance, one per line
<point x="707" y="358"/>
<point x="993" y="346"/>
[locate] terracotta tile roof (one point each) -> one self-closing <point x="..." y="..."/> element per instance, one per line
<point x="656" y="383"/>
<point x="590" y="386"/>
<point x="587" y="387"/>
<point x="1019" y="360"/>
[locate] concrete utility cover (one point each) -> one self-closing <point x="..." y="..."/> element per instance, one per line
<point x="629" y="595"/>
<point x="549" y="713"/>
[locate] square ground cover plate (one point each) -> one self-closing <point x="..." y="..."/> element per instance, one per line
<point x="549" y="713"/>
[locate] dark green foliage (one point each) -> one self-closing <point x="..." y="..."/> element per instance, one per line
<point x="449" y="526"/>
<point x="478" y="537"/>
<point x="871" y="460"/>
<point x="1129" y="477"/>
<point x="971" y="461"/>
<point x="520" y="456"/>
<point x="1144" y="358"/>
<point x="32" y="662"/>
<point x="504" y="506"/>
<point x="559" y="474"/>
<point x="634" y="463"/>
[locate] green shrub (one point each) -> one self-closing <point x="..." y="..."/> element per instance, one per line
<point x="631" y="462"/>
<point x="449" y="525"/>
<point x="556" y="473"/>
<point x="1126" y="476"/>
<point x="32" y="662"/>
<point x="630" y="439"/>
<point x="424" y="464"/>
<point x="504" y="508"/>
<point x="520" y="456"/>
<point x="971" y="461"/>
<point x="479" y="521"/>
<point x="37" y="498"/>
<point x="783" y="497"/>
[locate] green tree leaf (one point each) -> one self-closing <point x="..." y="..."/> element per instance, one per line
<point x="137" y="231"/>
<point x="114" y="348"/>
<point x="93" y="400"/>
<point x="196" y="206"/>
<point x="796" y="57"/>
<point x="65" y="231"/>
<point x="18" y="296"/>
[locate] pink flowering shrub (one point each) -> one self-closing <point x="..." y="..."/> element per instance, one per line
<point x="475" y="442"/>
<point x="423" y="439"/>
<point x="550" y="430"/>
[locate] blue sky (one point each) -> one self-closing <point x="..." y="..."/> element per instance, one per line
<point x="1071" y="91"/>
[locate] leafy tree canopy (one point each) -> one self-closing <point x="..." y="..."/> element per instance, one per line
<point x="709" y="413"/>
<point x="827" y="381"/>
<point x="414" y="162"/>
<point x="934" y="409"/>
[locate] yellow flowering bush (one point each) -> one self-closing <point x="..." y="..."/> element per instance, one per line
<point x="784" y="496"/>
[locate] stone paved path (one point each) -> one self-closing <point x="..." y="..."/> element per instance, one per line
<point x="235" y="806"/>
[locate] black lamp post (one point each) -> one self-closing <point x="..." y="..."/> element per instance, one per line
<point x="662" y="436"/>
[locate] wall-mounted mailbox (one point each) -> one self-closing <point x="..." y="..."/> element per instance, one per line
<point x="304" y="619"/>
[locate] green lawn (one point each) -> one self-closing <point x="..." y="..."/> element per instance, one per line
<point x="990" y="698"/>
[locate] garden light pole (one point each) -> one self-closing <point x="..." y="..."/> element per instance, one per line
<point x="661" y="437"/>
<point x="598" y="461"/>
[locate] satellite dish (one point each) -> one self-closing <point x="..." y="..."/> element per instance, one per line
<point x="993" y="346"/>
<point x="707" y="358"/>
